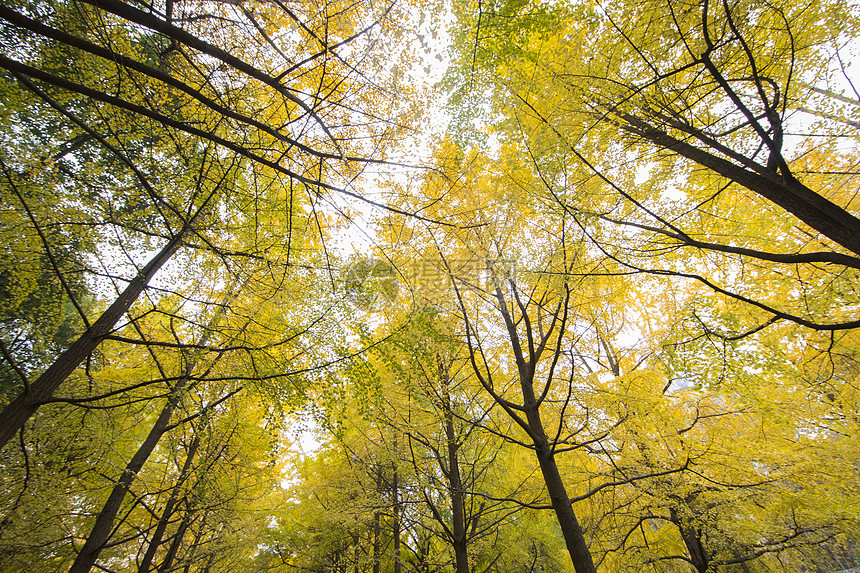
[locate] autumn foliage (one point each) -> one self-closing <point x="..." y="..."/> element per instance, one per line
<point x="475" y="286"/>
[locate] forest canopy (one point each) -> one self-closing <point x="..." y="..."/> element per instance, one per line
<point x="481" y="286"/>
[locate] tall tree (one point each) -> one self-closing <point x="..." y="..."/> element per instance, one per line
<point x="177" y="87"/>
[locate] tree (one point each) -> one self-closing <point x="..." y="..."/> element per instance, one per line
<point x="608" y="422"/>
<point x="677" y="138"/>
<point x="103" y="525"/>
<point x="669" y="68"/>
<point x="535" y="328"/>
<point x="159" y="73"/>
<point x="430" y="400"/>
<point x="609" y="324"/>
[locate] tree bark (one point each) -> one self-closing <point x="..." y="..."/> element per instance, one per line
<point x="104" y="522"/>
<point x="693" y="541"/>
<point x="574" y="539"/>
<point x="177" y="541"/>
<point x="455" y="484"/>
<point x="395" y="484"/>
<point x="16" y="414"/>
<point x="169" y="507"/>
<point x="377" y="527"/>
<point x="820" y="214"/>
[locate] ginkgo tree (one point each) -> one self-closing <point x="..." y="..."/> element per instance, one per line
<point x="738" y="363"/>
<point x="178" y="92"/>
<point x="635" y="122"/>
<point x="664" y="117"/>
<point x="610" y="323"/>
<point x="163" y="148"/>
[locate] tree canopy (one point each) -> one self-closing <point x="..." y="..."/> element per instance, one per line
<point x="477" y="286"/>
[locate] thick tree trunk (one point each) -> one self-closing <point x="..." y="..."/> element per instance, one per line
<point x="104" y="522"/>
<point x="574" y="539"/>
<point x="790" y="194"/>
<point x="693" y="541"/>
<point x="16" y="414"/>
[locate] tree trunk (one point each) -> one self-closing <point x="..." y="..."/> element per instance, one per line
<point x="574" y="539"/>
<point x="693" y="541"/>
<point x="168" y="509"/>
<point x="177" y="541"/>
<point x="104" y="522"/>
<point x="16" y="414"/>
<point x="455" y="484"/>
<point x="396" y="506"/>
<point x="376" y="541"/>
<point x="790" y="194"/>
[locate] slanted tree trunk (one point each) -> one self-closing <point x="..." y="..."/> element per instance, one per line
<point x="169" y="508"/>
<point x="16" y="414"/>
<point x="527" y="358"/>
<point x="826" y="217"/>
<point x="177" y="539"/>
<point x="570" y="528"/>
<point x="104" y="522"/>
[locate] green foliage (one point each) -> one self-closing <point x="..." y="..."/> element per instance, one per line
<point x="690" y="343"/>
